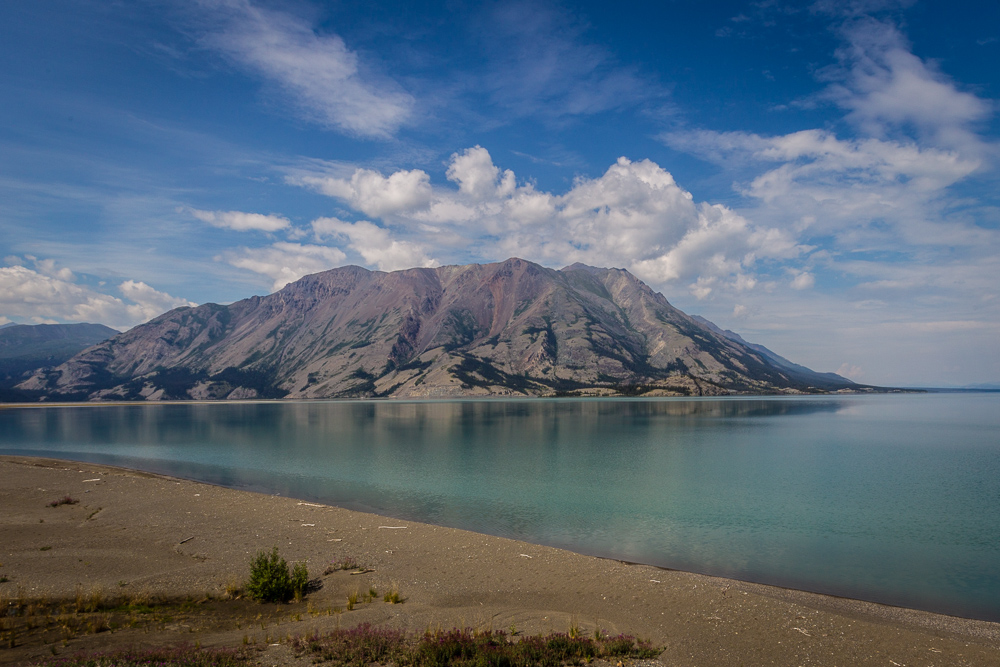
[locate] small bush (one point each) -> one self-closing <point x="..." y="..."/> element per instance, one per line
<point x="300" y="580"/>
<point x="270" y="580"/>
<point x="65" y="500"/>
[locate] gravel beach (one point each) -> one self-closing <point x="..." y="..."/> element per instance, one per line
<point x="137" y="536"/>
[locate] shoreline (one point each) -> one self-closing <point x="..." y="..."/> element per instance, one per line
<point x="872" y="391"/>
<point x="135" y="531"/>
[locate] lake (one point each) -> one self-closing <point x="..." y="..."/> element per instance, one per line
<point x="890" y="498"/>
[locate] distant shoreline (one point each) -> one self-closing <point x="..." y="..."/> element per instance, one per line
<point x="880" y="391"/>
<point x="140" y="530"/>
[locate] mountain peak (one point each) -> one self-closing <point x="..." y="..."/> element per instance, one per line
<point x="580" y="266"/>
<point x="507" y="328"/>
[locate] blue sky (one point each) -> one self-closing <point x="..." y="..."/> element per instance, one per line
<point x="821" y="177"/>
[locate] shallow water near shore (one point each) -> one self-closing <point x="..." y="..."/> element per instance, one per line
<point x="888" y="498"/>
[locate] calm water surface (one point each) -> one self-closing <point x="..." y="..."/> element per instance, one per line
<point x="892" y="498"/>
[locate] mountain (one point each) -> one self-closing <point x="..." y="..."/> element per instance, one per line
<point x="25" y="348"/>
<point x="510" y="328"/>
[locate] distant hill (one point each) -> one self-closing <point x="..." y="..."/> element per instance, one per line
<point x="25" y="348"/>
<point x="510" y="328"/>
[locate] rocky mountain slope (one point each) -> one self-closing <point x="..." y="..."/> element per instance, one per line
<point x="510" y="328"/>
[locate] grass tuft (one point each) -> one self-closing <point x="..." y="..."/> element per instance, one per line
<point x="232" y="590"/>
<point x="393" y="596"/>
<point x="65" y="500"/>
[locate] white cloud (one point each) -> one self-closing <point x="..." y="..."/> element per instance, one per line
<point x="240" y="221"/>
<point x="147" y="302"/>
<point x="372" y="193"/>
<point x="828" y="182"/>
<point x="285" y="262"/>
<point x="477" y="176"/>
<point x="44" y="294"/>
<point x="634" y="215"/>
<point x="803" y="280"/>
<point x="317" y="72"/>
<point x="374" y="244"/>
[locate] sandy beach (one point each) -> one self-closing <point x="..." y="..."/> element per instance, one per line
<point x="136" y="536"/>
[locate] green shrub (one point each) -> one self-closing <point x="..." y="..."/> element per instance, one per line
<point x="270" y="580"/>
<point x="300" y="580"/>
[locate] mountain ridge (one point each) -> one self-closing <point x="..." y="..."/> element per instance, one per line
<point x="505" y="328"/>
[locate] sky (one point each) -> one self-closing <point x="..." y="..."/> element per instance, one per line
<point x="821" y="177"/>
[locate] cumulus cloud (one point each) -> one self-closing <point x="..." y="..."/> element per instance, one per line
<point x="317" y="72"/>
<point x="285" y="262"/>
<point x="240" y="221"/>
<point x="374" y="244"/>
<point x="372" y="193"/>
<point x="634" y="215"/>
<point x="43" y="294"/>
<point x="477" y="176"/>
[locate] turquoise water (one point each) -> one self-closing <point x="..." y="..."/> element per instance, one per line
<point x="890" y="498"/>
